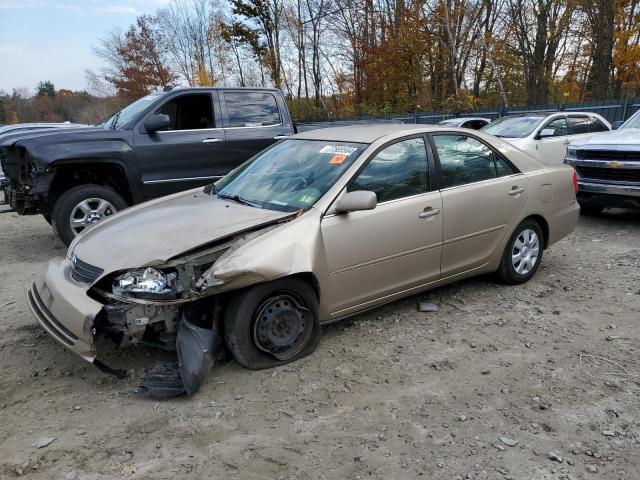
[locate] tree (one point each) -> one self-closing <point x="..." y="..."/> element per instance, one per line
<point x="263" y="31"/>
<point x="139" y="61"/>
<point x="45" y="89"/>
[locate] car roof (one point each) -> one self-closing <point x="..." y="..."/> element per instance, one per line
<point x="368" y="133"/>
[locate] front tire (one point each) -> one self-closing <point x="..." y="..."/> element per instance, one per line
<point x="80" y="207"/>
<point x="272" y="323"/>
<point x="523" y="253"/>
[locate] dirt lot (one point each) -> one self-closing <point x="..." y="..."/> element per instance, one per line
<point x="390" y="394"/>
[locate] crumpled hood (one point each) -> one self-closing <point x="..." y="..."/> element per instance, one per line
<point x="153" y="232"/>
<point x="621" y="138"/>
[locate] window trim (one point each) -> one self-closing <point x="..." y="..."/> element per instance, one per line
<point x="169" y="98"/>
<point x="225" y="111"/>
<point x="548" y="122"/>
<point x="430" y="165"/>
<point x="436" y="155"/>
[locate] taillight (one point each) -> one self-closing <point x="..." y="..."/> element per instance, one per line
<point x="575" y="180"/>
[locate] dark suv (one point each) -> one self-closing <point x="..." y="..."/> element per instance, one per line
<point x="162" y="143"/>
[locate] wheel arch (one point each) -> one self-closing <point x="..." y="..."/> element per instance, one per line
<point x="108" y="173"/>
<point x="544" y="225"/>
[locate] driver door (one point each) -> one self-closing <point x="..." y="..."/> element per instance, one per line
<point x="551" y="150"/>
<point x="374" y="254"/>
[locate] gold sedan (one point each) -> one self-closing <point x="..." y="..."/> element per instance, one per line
<point x="320" y="226"/>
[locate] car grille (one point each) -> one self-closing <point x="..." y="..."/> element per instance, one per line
<point x="615" y="174"/>
<point x="83" y="272"/>
<point x="607" y="155"/>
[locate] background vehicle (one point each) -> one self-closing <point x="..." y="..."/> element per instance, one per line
<point x="546" y="136"/>
<point x="160" y="144"/>
<point x="474" y="123"/>
<point x="608" y="167"/>
<point x="318" y="227"/>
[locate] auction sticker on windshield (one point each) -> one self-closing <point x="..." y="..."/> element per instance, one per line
<point x="338" y="149"/>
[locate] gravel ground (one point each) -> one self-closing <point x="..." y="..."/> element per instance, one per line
<point x="553" y="365"/>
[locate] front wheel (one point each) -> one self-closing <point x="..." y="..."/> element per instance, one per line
<point x="523" y="253"/>
<point x="80" y="207"/>
<point x="272" y="323"/>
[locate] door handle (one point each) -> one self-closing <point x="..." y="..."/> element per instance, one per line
<point x="280" y="137"/>
<point x="429" y="212"/>
<point x="516" y="190"/>
<point x="212" y="140"/>
<point x="567" y="142"/>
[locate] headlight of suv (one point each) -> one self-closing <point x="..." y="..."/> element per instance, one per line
<point x="145" y="282"/>
<point x="571" y="152"/>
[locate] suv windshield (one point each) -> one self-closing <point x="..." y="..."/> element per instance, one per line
<point x="291" y="175"/>
<point x="633" y="122"/>
<point x="130" y="112"/>
<point x="513" y="127"/>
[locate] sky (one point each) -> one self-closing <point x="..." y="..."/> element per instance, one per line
<point x="54" y="39"/>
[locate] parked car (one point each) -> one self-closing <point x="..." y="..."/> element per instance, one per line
<point x="474" y="123"/>
<point x="608" y="168"/>
<point x="162" y="143"/>
<point x="546" y="135"/>
<point x="319" y="227"/>
<point x="17" y="128"/>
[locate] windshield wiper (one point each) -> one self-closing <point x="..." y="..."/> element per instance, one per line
<point x="238" y="199"/>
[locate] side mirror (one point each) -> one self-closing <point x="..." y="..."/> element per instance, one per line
<point x="356" y="201"/>
<point x="157" y="122"/>
<point x="616" y="125"/>
<point x="546" y="132"/>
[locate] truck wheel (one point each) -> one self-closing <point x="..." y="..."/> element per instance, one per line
<point x="523" y="253"/>
<point x="273" y="323"/>
<point x="80" y="207"/>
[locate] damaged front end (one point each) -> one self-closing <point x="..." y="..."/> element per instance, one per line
<point x="167" y="308"/>
<point x="175" y="307"/>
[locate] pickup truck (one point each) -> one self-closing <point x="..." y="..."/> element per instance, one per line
<point x="608" y="168"/>
<point x="162" y="143"/>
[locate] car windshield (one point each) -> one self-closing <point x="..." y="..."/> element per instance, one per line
<point x="513" y="127"/>
<point x="291" y="175"/>
<point x="129" y="113"/>
<point x="633" y="122"/>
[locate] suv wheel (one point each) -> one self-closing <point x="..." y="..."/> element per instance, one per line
<point x="80" y="207"/>
<point x="523" y="253"/>
<point x="272" y="323"/>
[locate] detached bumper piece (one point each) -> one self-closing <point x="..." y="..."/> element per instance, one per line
<point x="198" y="349"/>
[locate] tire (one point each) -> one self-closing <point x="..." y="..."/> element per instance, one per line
<point x="241" y="329"/>
<point x="67" y="206"/>
<point x="513" y="272"/>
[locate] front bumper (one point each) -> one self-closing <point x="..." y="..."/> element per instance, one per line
<point x="63" y="308"/>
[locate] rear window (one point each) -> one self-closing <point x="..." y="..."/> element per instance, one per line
<point x="255" y="109"/>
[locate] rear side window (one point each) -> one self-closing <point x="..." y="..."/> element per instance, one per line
<point x="597" y="125"/>
<point x="580" y="125"/>
<point x="399" y="170"/>
<point x="465" y="160"/>
<point x="189" y="112"/>
<point x="255" y="109"/>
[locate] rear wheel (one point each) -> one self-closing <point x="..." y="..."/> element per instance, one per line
<point x="80" y="207"/>
<point x="523" y="253"/>
<point x="273" y="323"/>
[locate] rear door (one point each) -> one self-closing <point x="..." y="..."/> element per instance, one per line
<point x="482" y="195"/>
<point x="253" y="120"/>
<point x="551" y="150"/>
<point x="189" y="153"/>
